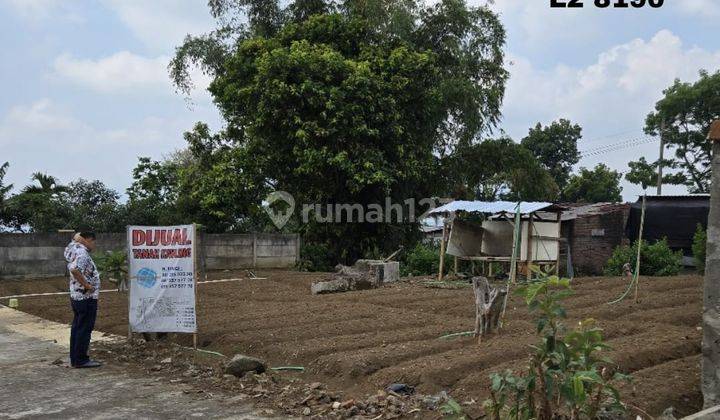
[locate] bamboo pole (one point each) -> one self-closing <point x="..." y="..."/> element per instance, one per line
<point x="442" y="251"/>
<point x="517" y="231"/>
<point x="559" y="236"/>
<point x="640" y="236"/>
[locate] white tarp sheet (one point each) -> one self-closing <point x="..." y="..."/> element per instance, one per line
<point x="490" y="207"/>
<point x="162" y="278"/>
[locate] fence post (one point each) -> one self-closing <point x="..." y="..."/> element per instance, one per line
<point x="254" y="240"/>
<point x="297" y="248"/>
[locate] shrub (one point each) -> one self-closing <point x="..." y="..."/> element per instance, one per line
<point x="316" y="257"/>
<point x="655" y="260"/>
<point x="566" y="378"/>
<point x="421" y="260"/>
<point x="698" y="248"/>
<point x="114" y="266"/>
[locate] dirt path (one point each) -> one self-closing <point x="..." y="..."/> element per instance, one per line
<point x="36" y="387"/>
<point x="360" y="342"/>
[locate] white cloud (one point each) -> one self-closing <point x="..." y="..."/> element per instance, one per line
<point x="42" y="10"/>
<point x="628" y="77"/>
<point x="120" y="72"/>
<point x="162" y="24"/>
<point x="125" y="73"/>
<point x="44" y="136"/>
<point x="702" y="8"/>
<point x="611" y="95"/>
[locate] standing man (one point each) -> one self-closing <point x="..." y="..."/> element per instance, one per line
<point x="84" y="293"/>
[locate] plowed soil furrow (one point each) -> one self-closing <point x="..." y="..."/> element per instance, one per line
<point x="361" y="341"/>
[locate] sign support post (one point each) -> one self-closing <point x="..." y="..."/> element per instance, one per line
<point x="195" y="277"/>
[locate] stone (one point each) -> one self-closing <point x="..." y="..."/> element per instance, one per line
<point x="339" y="285"/>
<point x="336" y="405"/>
<point x="240" y="364"/>
<point x="306" y="411"/>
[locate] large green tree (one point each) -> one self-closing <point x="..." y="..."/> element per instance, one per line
<point x="211" y="182"/>
<point x="39" y="207"/>
<point x="555" y="146"/>
<point x="685" y="112"/>
<point x="93" y="205"/>
<point x="498" y="169"/>
<point x="598" y="185"/>
<point x="348" y="102"/>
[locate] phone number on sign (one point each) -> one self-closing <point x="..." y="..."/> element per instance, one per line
<point x="619" y="4"/>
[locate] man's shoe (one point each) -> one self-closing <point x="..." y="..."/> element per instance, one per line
<point x="89" y="364"/>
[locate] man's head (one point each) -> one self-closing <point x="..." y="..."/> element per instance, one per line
<point x="87" y="239"/>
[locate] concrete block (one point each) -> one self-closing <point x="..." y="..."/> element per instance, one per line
<point x="385" y="272"/>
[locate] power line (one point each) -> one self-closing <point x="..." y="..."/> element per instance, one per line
<point x="617" y="146"/>
<point x="606" y="146"/>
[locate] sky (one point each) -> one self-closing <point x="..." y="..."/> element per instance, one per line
<point x="85" y="89"/>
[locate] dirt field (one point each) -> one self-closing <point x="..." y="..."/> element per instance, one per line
<point x="362" y="341"/>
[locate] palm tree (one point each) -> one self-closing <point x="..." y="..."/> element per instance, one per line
<point x="4" y="189"/>
<point x="48" y="185"/>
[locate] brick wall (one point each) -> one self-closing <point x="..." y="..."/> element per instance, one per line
<point x="593" y="239"/>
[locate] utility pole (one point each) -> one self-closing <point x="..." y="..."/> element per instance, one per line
<point x="662" y="156"/>
<point x="711" y="301"/>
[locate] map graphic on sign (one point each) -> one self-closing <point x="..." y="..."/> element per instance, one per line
<point x="146" y="277"/>
<point x="162" y="286"/>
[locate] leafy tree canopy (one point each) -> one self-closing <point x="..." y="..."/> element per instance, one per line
<point x="555" y="147"/>
<point x="499" y="169"/>
<point x="4" y="189"/>
<point x="598" y="185"/>
<point x="347" y="102"/>
<point x="686" y="112"/>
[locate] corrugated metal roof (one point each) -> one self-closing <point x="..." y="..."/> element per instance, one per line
<point x="490" y="207"/>
<point x="586" y="210"/>
<point x="714" y="133"/>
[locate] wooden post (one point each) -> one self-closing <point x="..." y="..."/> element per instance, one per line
<point x="640" y="235"/>
<point x="559" y="236"/>
<point x="442" y="252"/>
<point x="195" y="278"/>
<point x="254" y="239"/>
<point x="529" y="245"/>
<point x="455" y="266"/>
<point x="662" y="156"/>
<point x="128" y="241"/>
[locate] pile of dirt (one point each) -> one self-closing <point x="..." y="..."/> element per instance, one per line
<point x="270" y="393"/>
<point x="359" y="342"/>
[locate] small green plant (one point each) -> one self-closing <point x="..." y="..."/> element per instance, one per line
<point x="113" y="265"/>
<point x="316" y="257"/>
<point x="698" y="248"/>
<point x="656" y="259"/>
<point x="452" y="410"/>
<point x="566" y="377"/>
<point x="421" y="260"/>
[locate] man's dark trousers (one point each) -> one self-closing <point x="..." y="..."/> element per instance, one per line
<point x="83" y="323"/>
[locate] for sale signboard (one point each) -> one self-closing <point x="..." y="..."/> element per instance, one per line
<point x="162" y="278"/>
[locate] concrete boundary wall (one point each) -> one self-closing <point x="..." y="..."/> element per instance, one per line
<point x="34" y="255"/>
